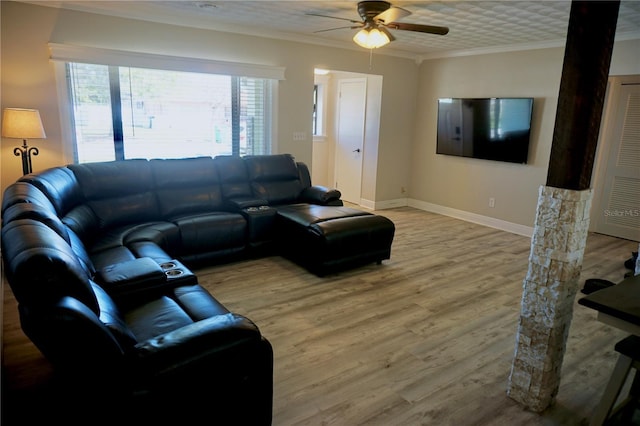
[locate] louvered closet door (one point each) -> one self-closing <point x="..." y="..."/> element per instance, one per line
<point x="620" y="199"/>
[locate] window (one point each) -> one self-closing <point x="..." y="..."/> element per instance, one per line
<point x="315" y="110"/>
<point x="121" y="112"/>
<point x="319" y="108"/>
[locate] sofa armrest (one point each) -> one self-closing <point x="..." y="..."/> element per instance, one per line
<point x="131" y="277"/>
<point x="222" y="361"/>
<point x="321" y="195"/>
<point x="196" y="343"/>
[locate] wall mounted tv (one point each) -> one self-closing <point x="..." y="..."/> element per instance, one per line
<point x="487" y="128"/>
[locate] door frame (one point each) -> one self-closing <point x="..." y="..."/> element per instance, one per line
<point x="337" y="141"/>
<point x="607" y="128"/>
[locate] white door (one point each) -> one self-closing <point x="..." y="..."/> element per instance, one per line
<point x="352" y="101"/>
<point x="619" y="211"/>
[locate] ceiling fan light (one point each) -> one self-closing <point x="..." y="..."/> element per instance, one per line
<point x="371" y="38"/>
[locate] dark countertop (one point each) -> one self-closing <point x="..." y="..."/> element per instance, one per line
<point x="620" y="301"/>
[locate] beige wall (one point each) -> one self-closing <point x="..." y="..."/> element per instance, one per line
<point x="467" y="184"/>
<point x="406" y="154"/>
<point x="28" y="79"/>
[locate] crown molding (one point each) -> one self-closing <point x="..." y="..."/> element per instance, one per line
<point x="200" y="23"/>
<point x="511" y="48"/>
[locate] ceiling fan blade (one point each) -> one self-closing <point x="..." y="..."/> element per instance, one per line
<point x="430" y="29"/>
<point x="392" y="14"/>
<point x="352" y="27"/>
<point x="387" y="32"/>
<point x="333" y="17"/>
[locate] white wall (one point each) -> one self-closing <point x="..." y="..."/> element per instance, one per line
<point x="28" y="78"/>
<point x="464" y="184"/>
<point x="406" y="154"/>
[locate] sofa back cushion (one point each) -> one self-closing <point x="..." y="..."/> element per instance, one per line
<point x="83" y="221"/>
<point x="188" y="185"/>
<point x="39" y="213"/>
<point x="25" y="201"/>
<point x="41" y="266"/>
<point x="118" y="192"/>
<point x="59" y="185"/>
<point x="133" y="208"/>
<point x="274" y="178"/>
<point x="234" y="179"/>
<point x="24" y="192"/>
<point x="112" y="318"/>
<point x="303" y="172"/>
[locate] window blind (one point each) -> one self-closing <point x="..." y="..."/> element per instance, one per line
<point x="139" y="105"/>
<point x="149" y="113"/>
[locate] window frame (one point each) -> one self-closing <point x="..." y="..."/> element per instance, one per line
<point x="321" y="82"/>
<point x="61" y="54"/>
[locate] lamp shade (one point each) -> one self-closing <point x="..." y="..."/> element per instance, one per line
<point x="371" y="38"/>
<point x="22" y="123"/>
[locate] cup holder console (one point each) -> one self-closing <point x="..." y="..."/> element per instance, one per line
<point x="168" y="265"/>
<point x="174" y="270"/>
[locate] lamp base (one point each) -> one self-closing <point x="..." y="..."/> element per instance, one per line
<point x="25" y="152"/>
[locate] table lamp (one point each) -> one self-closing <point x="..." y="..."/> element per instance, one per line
<point x="20" y="123"/>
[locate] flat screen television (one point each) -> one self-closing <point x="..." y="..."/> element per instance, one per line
<point x="487" y="128"/>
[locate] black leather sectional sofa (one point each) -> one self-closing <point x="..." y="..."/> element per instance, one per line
<point x="100" y="257"/>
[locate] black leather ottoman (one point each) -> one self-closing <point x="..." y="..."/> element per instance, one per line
<point x="328" y="239"/>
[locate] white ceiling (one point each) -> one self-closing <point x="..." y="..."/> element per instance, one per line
<point x="475" y="25"/>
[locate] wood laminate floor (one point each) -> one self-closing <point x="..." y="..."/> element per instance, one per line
<point x="426" y="338"/>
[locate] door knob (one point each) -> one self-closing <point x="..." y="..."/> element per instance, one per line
<point x="356" y="150"/>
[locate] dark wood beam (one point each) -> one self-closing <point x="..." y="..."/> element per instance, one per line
<point x="587" y="57"/>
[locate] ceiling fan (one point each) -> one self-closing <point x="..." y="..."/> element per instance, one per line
<point x="377" y="18"/>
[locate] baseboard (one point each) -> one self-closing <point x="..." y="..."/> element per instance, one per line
<point x="503" y="225"/>
<point x="381" y="205"/>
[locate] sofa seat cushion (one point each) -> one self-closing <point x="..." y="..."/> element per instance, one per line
<point x="156" y="317"/>
<point x="129" y="242"/>
<point x="165" y="234"/>
<point x="149" y="249"/>
<point x="198" y="302"/>
<point x="202" y="233"/>
<point x="181" y="306"/>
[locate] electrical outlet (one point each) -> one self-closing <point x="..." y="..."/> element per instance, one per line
<point x="492" y="202"/>
<point x="402" y="190"/>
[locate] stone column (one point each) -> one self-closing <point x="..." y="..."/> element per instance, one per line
<point x="549" y="289"/>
